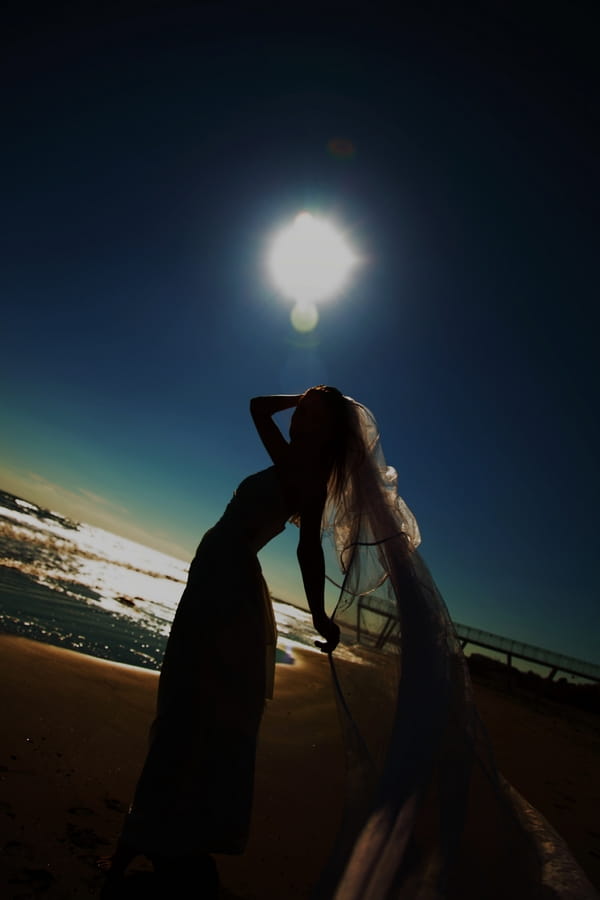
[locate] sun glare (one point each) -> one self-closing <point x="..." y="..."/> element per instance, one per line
<point x="309" y="261"/>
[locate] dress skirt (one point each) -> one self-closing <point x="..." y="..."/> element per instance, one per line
<point x="196" y="787"/>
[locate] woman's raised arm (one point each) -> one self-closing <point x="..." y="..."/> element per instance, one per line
<point x="262" y="410"/>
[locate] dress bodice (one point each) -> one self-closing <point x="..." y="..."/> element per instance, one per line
<point x="257" y="512"/>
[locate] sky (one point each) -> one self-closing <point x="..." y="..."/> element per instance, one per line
<point x="149" y="156"/>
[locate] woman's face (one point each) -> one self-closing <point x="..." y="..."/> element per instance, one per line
<point x="311" y="422"/>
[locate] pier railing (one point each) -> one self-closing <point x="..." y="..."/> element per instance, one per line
<point x="556" y="662"/>
<point x="376" y="627"/>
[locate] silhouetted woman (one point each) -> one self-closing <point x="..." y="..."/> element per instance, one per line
<point x="194" y="795"/>
<point x="419" y="770"/>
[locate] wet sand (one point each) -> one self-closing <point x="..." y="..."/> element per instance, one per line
<point x="74" y="734"/>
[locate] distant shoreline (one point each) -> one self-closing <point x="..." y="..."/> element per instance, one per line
<point x="60" y="621"/>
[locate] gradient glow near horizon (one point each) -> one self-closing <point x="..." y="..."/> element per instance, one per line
<point x="140" y="317"/>
<point x="309" y="261"/>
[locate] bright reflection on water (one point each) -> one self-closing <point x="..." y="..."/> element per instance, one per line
<point x="88" y="562"/>
<point x="82" y="587"/>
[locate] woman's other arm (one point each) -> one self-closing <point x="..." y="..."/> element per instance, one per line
<point x="262" y="409"/>
<point x="312" y="567"/>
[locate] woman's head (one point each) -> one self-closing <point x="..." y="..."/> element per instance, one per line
<point x="325" y="421"/>
<point x="314" y="420"/>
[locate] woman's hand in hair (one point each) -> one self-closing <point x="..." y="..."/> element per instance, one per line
<point x="262" y="410"/>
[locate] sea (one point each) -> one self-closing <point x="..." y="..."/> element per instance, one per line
<point x="74" y="585"/>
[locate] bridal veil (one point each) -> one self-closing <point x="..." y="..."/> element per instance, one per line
<point x="427" y="814"/>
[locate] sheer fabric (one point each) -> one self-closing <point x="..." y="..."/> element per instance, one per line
<point x="427" y="814"/>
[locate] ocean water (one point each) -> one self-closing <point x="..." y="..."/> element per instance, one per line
<point x="77" y="586"/>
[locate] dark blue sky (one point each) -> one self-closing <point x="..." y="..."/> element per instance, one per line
<point x="147" y="159"/>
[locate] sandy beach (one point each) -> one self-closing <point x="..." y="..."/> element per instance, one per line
<point x="74" y="734"/>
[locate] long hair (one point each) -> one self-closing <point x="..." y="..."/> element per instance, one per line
<point x="346" y="448"/>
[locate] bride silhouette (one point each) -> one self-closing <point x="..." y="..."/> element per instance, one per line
<point x="427" y="815"/>
<point x="194" y="794"/>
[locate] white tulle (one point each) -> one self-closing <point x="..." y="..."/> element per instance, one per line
<point x="418" y="760"/>
<point x="370" y="486"/>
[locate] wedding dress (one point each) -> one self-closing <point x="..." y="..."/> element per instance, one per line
<point x="195" y="790"/>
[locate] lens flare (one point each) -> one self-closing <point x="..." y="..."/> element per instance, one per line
<point x="304" y="316"/>
<point x="341" y="148"/>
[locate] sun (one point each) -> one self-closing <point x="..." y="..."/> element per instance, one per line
<point x="309" y="261"/>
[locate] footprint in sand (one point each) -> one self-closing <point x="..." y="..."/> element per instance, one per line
<point x="39" y="879"/>
<point x="84" y="838"/>
<point x="115" y="805"/>
<point x="13" y="848"/>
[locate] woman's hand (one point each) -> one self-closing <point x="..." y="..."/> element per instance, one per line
<point x="262" y="410"/>
<point x="330" y="631"/>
